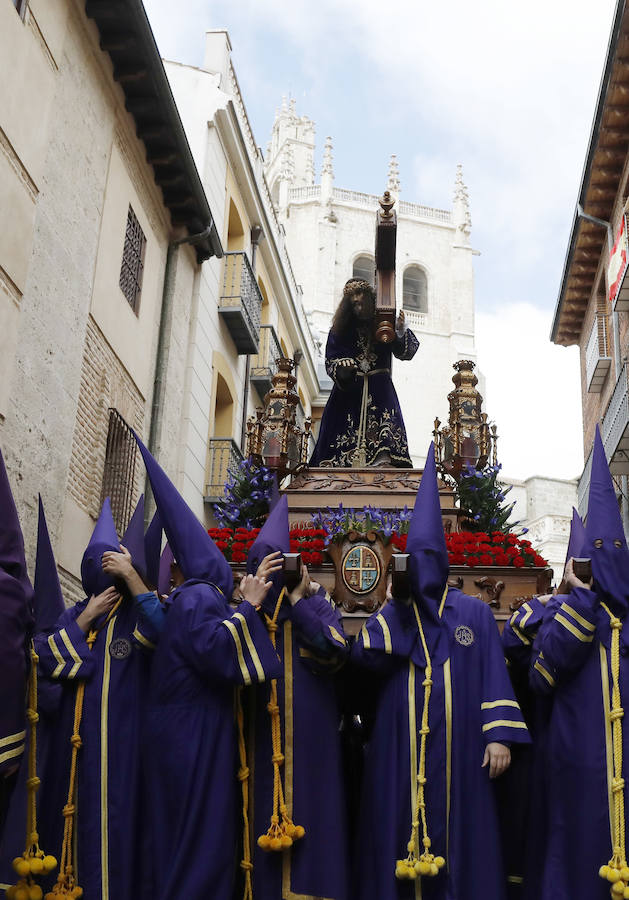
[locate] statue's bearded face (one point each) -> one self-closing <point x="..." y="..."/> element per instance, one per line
<point x="362" y="306"/>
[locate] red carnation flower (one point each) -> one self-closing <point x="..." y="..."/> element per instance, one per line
<point x="518" y="562"/>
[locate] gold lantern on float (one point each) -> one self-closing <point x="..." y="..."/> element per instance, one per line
<point x="274" y="438"/>
<point x="468" y="439"/>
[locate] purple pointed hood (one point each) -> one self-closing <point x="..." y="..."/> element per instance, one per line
<point x="163" y="578"/>
<point x="133" y="538"/>
<point x="103" y="538"/>
<point x="429" y="564"/>
<point x="12" y="557"/>
<point x="577" y="538"/>
<point x="605" y="542"/>
<point x="153" y="549"/>
<point x="196" y="553"/>
<point x="274" y="535"/>
<point x="48" y="603"/>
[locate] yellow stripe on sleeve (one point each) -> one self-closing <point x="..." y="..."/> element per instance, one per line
<point x="386" y="633"/>
<point x="137" y="634"/>
<point x="12" y="738"/>
<point x="365" y="636"/>
<point x="335" y="634"/>
<point x="241" y="659"/>
<point x="573" y="629"/>
<point x="63" y="634"/>
<point x="492" y="704"/>
<point x="503" y="723"/>
<point x="250" y="646"/>
<point x="11" y="754"/>
<point x="577" y="617"/>
<point x="540" y="668"/>
<point x="55" y="652"/>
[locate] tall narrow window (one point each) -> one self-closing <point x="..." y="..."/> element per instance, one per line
<point x="364" y="267"/>
<point x="415" y="289"/>
<point x="132" y="261"/>
<point x="119" y="473"/>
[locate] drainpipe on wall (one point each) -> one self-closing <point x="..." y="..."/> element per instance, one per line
<point x="163" y="347"/>
<point x="624" y="482"/>
<point x="257" y="235"/>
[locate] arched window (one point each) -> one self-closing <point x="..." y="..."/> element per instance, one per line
<point x="415" y="289"/>
<point x="235" y="230"/>
<point x="364" y="267"/>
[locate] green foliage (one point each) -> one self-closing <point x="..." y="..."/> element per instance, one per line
<point x="481" y="497"/>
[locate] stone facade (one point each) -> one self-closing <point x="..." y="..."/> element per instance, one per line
<point x="72" y="346"/>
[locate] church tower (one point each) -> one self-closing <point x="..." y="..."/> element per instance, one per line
<point x="290" y="154"/>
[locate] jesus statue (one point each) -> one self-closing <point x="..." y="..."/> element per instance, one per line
<point x="362" y="423"/>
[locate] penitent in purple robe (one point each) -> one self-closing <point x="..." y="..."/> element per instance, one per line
<point x="16" y="620"/>
<point x="311" y="646"/>
<point x="205" y="650"/>
<point x="575" y="658"/>
<point x="385" y="431"/>
<point x="109" y="820"/>
<point x="534" y="683"/>
<point x="471" y="704"/>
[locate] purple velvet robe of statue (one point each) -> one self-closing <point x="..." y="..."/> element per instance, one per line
<point x="575" y="653"/>
<point x="311" y="646"/>
<point x="205" y="650"/>
<point x="110" y="820"/>
<point x="471" y="705"/>
<point x="385" y="429"/>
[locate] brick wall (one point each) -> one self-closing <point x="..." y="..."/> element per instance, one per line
<point x="104" y="383"/>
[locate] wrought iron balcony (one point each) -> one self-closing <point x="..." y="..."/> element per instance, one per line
<point x="240" y="302"/>
<point x="264" y="364"/>
<point x="615" y="427"/>
<point x="224" y="455"/>
<point x="597" y="359"/>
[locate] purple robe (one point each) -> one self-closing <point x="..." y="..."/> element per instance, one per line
<point x="575" y="655"/>
<point x="109" y="821"/>
<point x="527" y="780"/>
<point x="189" y="750"/>
<point x="471" y="705"/>
<point x="385" y="429"/>
<point x="311" y="646"/>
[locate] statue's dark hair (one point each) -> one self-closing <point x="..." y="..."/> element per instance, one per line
<point x="344" y="315"/>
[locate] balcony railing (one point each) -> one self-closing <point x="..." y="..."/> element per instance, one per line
<point x="615" y="427"/>
<point x="597" y="359"/>
<point x="223" y="458"/>
<point x="240" y="302"/>
<point x="264" y="363"/>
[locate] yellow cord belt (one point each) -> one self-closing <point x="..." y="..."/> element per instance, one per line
<point x="282" y="831"/>
<point x="424" y="863"/>
<point x="66" y="885"/>
<point x="33" y="861"/>
<point x="617" y="871"/>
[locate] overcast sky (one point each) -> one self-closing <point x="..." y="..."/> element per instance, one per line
<point x="506" y="89"/>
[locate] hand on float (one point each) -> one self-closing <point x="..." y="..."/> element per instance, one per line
<point x="271" y="564"/>
<point x="314" y="588"/>
<point x="302" y="589"/>
<point x="254" y="589"/>
<point x="571" y="579"/>
<point x="544" y="598"/>
<point x="498" y="757"/>
<point x="98" y="605"/>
